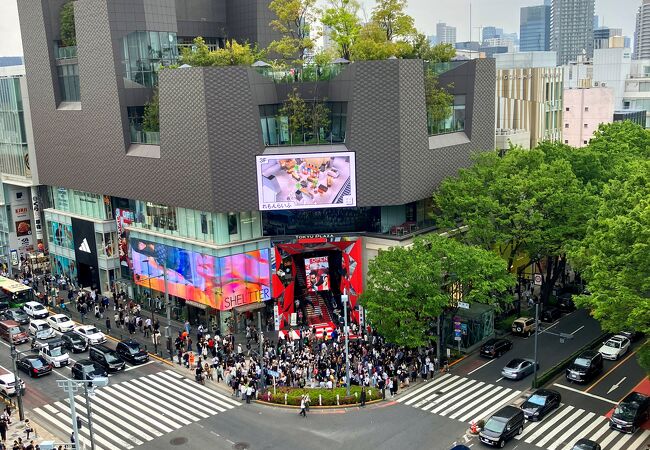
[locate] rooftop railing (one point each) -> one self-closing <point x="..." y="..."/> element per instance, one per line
<point x="308" y="73"/>
<point x="69" y="52"/>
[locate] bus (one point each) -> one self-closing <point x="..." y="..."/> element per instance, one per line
<point x="14" y="292"/>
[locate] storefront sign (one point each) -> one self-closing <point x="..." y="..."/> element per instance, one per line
<point x="14" y="258"/>
<point x="124" y="219"/>
<point x="294" y="319"/>
<point x="38" y="225"/>
<point x="362" y="316"/>
<point x="85" y="247"/>
<point x="276" y="318"/>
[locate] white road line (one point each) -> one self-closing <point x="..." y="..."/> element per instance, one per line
<point x="110" y="420"/>
<point x="507" y="399"/>
<point x="578" y="329"/>
<point x="531" y="426"/>
<point x="112" y="394"/>
<point x="466" y="394"/>
<point x="641" y="439"/>
<point x="99" y="429"/>
<point x="67" y="429"/>
<point x="558" y="429"/>
<point x="586" y="430"/>
<point x="204" y="391"/>
<point x="499" y="380"/>
<point x="603" y="429"/>
<point x="457" y="382"/>
<point x="196" y="404"/>
<point x="481" y="366"/>
<point x="139" y="365"/>
<point x="548" y="328"/>
<point x="578" y="391"/>
<point x="621" y="442"/>
<point x="178" y="408"/>
<point x="153" y="407"/>
<point x="468" y="407"/>
<point x="549" y="423"/>
<point x="421" y="388"/>
<point x="181" y="390"/>
<point x="84" y="430"/>
<point x="432" y="387"/>
<point x="126" y="411"/>
<point x="102" y="408"/>
<point x="609" y="438"/>
<point x="578" y="426"/>
<point x="456" y="406"/>
<point x="448" y="394"/>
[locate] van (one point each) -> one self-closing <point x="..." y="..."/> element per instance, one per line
<point x="10" y="331"/>
<point x="502" y="426"/>
<point x="7" y="382"/>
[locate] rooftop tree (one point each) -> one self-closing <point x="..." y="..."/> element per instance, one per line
<point x="392" y="19"/>
<point x="341" y="16"/>
<point x="293" y="21"/>
<point x="233" y="54"/>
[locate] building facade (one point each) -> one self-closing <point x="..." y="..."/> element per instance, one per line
<point x="226" y="207"/>
<point x="603" y="34"/>
<point x="572" y="29"/>
<point x="445" y="34"/>
<point x="637" y="88"/>
<point x="535" y="28"/>
<point x="642" y="31"/>
<point x="584" y="111"/>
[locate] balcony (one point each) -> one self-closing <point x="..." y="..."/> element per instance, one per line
<point x="144" y="137"/>
<point x="309" y="73"/>
<point x="69" y="52"/>
<point x="439" y="68"/>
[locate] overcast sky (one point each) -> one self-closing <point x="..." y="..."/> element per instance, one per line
<point x="499" y="13"/>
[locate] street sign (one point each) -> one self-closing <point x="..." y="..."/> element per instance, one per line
<point x="448" y="353"/>
<point x="294" y="319"/>
<point x="463" y="305"/>
<point x="457" y="338"/>
<point x="538" y="279"/>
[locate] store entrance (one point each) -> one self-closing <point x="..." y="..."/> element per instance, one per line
<point x="88" y="275"/>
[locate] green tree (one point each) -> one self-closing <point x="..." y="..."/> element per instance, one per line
<point x="233" y="54"/>
<point x="293" y="20"/>
<point x="524" y="203"/>
<point x="67" y="30"/>
<point x="371" y="44"/>
<point x="614" y="257"/>
<point x="341" y="16"/>
<point x="408" y="289"/>
<point x="438" y="100"/>
<point x="151" y="117"/>
<point x="295" y="109"/>
<point x="391" y="18"/>
<point x="438" y="53"/>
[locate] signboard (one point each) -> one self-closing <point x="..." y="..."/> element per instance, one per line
<point x="538" y="279"/>
<point x="294" y="319"/>
<point x="463" y="305"/>
<point x="14" y="257"/>
<point x="362" y="316"/>
<point x="317" y="270"/>
<point x="124" y="218"/>
<point x="276" y="317"/>
<point x="83" y="236"/>
<point x="38" y="225"/>
<point x="306" y="181"/>
<point x="463" y="327"/>
<point x="273" y="373"/>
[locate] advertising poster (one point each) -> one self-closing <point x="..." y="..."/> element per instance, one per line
<point x="38" y="224"/>
<point x="317" y="272"/>
<point x="221" y="283"/>
<point x="64" y="266"/>
<point x="124" y="219"/>
<point x="62" y="235"/>
<point x="308" y="180"/>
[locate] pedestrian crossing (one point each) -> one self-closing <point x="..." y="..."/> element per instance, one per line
<point x="133" y="412"/>
<point x="468" y="400"/>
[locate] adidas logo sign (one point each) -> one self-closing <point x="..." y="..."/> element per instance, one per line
<point x="84" y="247"/>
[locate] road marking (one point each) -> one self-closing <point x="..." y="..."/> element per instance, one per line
<point x="641" y="439"/>
<point x="609" y="438"/>
<point x="453" y="402"/>
<point x="586" y="431"/>
<point x="616" y="385"/>
<point x="435" y="385"/>
<point x="449" y="394"/>
<point x="603" y="429"/>
<point x="611" y="370"/>
<point x="478" y="400"/>
<point x="481" y="366"/>
<point x="578" y="329"/>
<point x="545" y="425"/>
<point x="509" y="396"/>
<point x="568" y="388"/>
<point x="499" y="379"/>
<point x="556" y="430"/>
<point x="621" y="443"/>
<point x="140" y="365"/>
<point x="548" y="328"/>
<point x="440" y="394"/>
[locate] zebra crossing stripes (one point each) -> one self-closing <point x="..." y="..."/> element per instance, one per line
<point x="131" y="413"/>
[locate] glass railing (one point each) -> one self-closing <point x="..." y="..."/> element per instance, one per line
<point x="442" y="67"/>
<point x="449" y="125"/>
<point x="284" y="139"/>
<point x="69" y="52"/>
<point x="301" y="74"/>
<point x="145" y="137"/>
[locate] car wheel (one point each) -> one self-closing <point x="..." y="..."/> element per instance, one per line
<point x="520" y="430"/>
<point x="529" y="333"/>
<point x="519" y="329"/>
<point x="502" y="443"/>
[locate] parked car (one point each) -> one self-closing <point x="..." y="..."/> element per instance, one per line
<point x="630" y="413"/>
<point x="74" y="342"/>
<point x="130" y="351"/>
<point x="494" y="348"/>
<point x="615" y="347"/>
<point x="55" y="355"/>
<point x="11" y="332"/>
<point x="519" y="368"/>
<point x="551" y="315"/>
<point x="40" y="329"/>
<point x="502" y="426"/>
<point x="107" y="358"/>
<point x="540" y="403"/>
<point x="61" y="323"/>
<point x="586" y="444"/>
<point x="585" y="367"/>
<point x="35" y="366"/>
<point x="91" y="334"/>
<point x="7" y="382"/>
<point x="16" y="315"/>
<point x="565" y="302"/>
<point x="86" y="369"/>
<point x="524" y="326"/>
<point x="4" y="305"/>
<point x="633" y="336"/>
<point x="35" y="310"/>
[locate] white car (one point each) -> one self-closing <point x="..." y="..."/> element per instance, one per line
<point x="57" y="356"/>
<point x="40" y="329"/>
<point x="91" y="334"/>
<point x="7" y="382"/>
<point x="615" y="347"/>
<point x="61" y="322"/>
<point x="35" y="310"/>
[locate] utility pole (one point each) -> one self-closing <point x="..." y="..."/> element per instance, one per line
<point x="19" y="390"/>
<point x="90" y="415"/>
<point x="536" y="333"/>
<point x="72" y="387"/>
<point x="346" y="332"/>
<point x="261" y="338"/>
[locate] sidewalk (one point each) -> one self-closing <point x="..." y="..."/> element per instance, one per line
<point x="17" y="429"/>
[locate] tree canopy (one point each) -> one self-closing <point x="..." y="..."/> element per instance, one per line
<point x="293" y="20"/>
<point x="67" y="29"/>
<point x="342" y="19"/>
<point x="392" y="19"/>
<point x="408" y="289"/>
<point x="233" y="54"/>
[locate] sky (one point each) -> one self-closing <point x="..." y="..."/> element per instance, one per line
<point x="499" y="13"/>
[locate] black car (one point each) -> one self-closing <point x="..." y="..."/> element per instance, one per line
<point x="551" y="314"/>
<point x="4" y="305"/>
<point x="540" y="403"/>
<point x="586" y="444"/>
<point x="74" y="342"/>
<point x="630" y="413"/>
<point x="130" y="351"/>
<point x="86" y="369"/>
<point x="502" y="426"/>
<point x="107" y="358"/>
<point x="585" y="367"/>
<point x="35" y="366"/>
<point x="494" y="348"/>
<point x="565" y="302"/>
<point x="16" y="315"/>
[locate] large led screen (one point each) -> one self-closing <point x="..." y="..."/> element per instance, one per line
<point x="221" y="283"/>
<point x="318" y="276"/>
<point x="307" y="180"/>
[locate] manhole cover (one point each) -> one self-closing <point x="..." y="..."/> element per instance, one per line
<point x="241" y="446"/>
<point x="178" y="441"/>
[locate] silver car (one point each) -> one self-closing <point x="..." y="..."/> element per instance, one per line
<point x="519" y="368"/>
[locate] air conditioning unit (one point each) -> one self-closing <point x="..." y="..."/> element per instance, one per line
<point x="603" y="84"/>
<point x="596" y="84"/>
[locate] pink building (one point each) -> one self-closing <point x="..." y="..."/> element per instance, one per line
<point x="584" y="110"/>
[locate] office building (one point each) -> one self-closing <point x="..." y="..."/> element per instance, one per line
<point x="224" y="207"/>
<point x="491" y="33"/>
<point x="584" y="110"/>
<point x="636" y="116"/>
<point x="572" y="29"/>
<point x="445" y="34"/>
<point x="603" y="34"/>
<point x="535" y="28"/>
<point x="642" y="31"/>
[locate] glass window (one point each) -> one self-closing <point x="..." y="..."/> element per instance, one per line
<point x="161" y="216"/>
<point x="204" y="224"/>
<point x="275" y="128"/>
<point x="145" y="52"/>
<point x="232" y="224"/>
<point x="69" y="82"/>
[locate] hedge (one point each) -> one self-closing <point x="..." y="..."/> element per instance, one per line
<point x="328" y="396"/>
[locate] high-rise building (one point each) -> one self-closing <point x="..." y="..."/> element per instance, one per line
<point x="491" y="33"/>
<point x="642" y="32"/>
<point x="445" y="34"/>
<point x="535" y="28"/>
<point x="572" y="29"/>
<point x="602" y="35"/>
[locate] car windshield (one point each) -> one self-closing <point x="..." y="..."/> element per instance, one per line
<point x="582" y="362"/>
<point x="625" y="411"/>
<point x="536" y="399"/>
<point x="111" y="358"/>
<point x="56" y="351"/>
<point x="133" y="348"/>
<point x="91" y="330"/>
<point x="37" y="363"/>
<point x="514" y="364"/>
<point x="495" y="425"/>
<point x="15" y="330"/>
<point x="38" y="307"/>
<point x="613" y="344"/>
<point x="43" y="326"/>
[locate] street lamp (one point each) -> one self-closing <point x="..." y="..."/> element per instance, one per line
<point x="19" y="389"/>
<point x="72" y="387"/>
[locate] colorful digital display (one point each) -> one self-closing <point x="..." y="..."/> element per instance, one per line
<point x="221" y="283"/>
<point x="308" y="180"/>
<point x="317" y="274"/>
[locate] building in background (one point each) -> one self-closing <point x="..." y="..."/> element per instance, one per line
<point x="468" y="45"/>
<point x="584" y="110"/>
<point x="445" y="34"/>
<point x="572" y="29"/>
<point x="637" y="88"/>
<point x="535" y="28"/>
<point x="500" y="42"/>
<point x="579" y="73"/>
<point x="490" y="51"/>
<point x="611" y="68"/>
<point x="491" y="32"/>
<point x="636" y="116"/>
<point x="529" y="95"/>
<point x="642" y="31"/>
<point x="603" y="34"/>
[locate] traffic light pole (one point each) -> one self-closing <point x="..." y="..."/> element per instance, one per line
<point x="18" y="383"/>
<point x="90" y="415"/>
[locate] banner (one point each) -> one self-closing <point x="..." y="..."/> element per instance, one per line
<point x="124" y="218"/>
<point x="85" y="247"/>
<point x="317" y="274"/>
<point x="38" y="224"/>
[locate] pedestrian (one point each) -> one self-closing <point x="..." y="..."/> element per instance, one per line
<point x="249" y="393"/>
<point x="303" y="405"/>
<point x="3" y="429"/>
<point x="363" y="397"/>
<point x="191" y="359"/>
<point x="108" y="325"/>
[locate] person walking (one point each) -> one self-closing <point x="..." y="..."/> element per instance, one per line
<point x="3" y="429"/>
<point x="303" y="405"/>
<point x="108" y="325"/>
